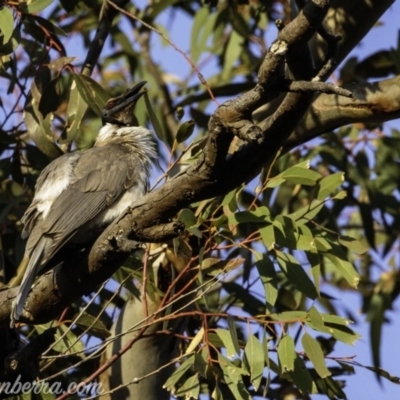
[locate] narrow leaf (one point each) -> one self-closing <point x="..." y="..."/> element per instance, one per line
<point x="34" y="6"/>
<point x="179" y="372"/>
<point x="315" y="354"/>
<point x="93" y="94"/>
<point x="75" y="112"/>
<point x="60" y="63"/>
<point x="232" y="330"/>
<point x="254" y="354"/>
<point x="300" y="176"/>
<point x="315" y="317"/>
<point x="302" y="377"/>
<point x="329" y="184"/>
<point x="353" y="244"/>
<point x="296" y="274"/>
<point x="286" y="353"/>
<point x="345" y="267"/>
<point x="7" y="24"/>
<point x="195" y="341"/>
<point x="227" y="340"/>
<point x="154" y="120"/>
<point x="267" y="273"/>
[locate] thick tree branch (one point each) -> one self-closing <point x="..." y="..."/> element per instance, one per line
<point x="107" y="16"/>
<point x="372" y="103"/>
<point x="213" y="174"/>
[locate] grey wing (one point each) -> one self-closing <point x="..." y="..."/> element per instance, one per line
<point x="101" y="175"/>
<point x="51" y="182"/>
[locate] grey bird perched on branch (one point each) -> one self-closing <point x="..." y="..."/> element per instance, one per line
<point x="79" y="194"/>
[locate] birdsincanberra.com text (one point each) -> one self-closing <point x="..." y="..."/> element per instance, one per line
<point x="56" y="388"/>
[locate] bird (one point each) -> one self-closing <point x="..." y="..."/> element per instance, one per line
<point x="80" y="193"/>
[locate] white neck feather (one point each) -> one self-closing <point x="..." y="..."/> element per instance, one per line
<point x="138" y="137"/>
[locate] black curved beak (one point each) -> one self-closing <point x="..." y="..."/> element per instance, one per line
<point x="119" y="110"/>
<point x="134" y="94"/>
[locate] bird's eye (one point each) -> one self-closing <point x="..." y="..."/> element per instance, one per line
<point x="110" y="104"/>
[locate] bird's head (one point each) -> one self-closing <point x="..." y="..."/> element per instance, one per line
<point x="119" y="110"/>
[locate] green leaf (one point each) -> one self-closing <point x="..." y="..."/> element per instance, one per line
<point x="322" y="245"/>
<point x="268" y="236"/>
<point x="179" y="372"/>
<point x="7" y="24"/>
<point x="315" y="318"/>
<point x="217" y="394"/>
<point x="200" y="364"/>
<point x="296" y="274"/>
<point x="195" y="341"/>
<point x="250" y="216"/>
<point x="34" y="6"/>
<point x="39" y="128"/>
<point x="329" y="184"/>
<point x="307" y="213"/>
<point x="286" y="353"/>
<point x="198" y="24"/>
<point x="154" y="120"/>
<point x="187" y="216"/>
<point x="60" y="63"/>
<point x="50" y="99"/>
<point x="8" y="48"/>
<point x="185" y="131"/>
<point x="214" y="339"/>
<point x="233" y="378"/>
<point x="254" y="354"/>
<point x="353" y="244"/>
<point x="226" y="338"/>
<point x="287" y="236"/>
<point x="329" y="386"/>
<point x="345" y="267"/>
<point x="66" y="342"/>
<point x="340" y="195"/>
<point x="190" y="388"/>
<point x="302" y="377"/>
<point x="376" y="316"/>
<point x="289" y="316"/>
<point x="214" y="266"/>
<point x="160" y="6"/>
<point x="239" y="23"/>
<point x="267" y="361"/>
<point x="95" y="326"/>
<point x="232" y="330"/>
<point x="300" y="176"/>
<point x="368" y="222"/>
<point x="75" y="112"/>
<point x="336" y="326"/>
<point x="274" y="182"/>
<point x="50" y="27"/>
<point x="267" y="273"/>
<point x="93" y="94"/>
<point x="315" y="263"/>
<point x="250" y="303"/>
<point x="232" y="53"/>
<point x="229" y="203"/>
<point x="315" y="354"/>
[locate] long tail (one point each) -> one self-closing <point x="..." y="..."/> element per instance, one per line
<point x="33" y="267"/>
